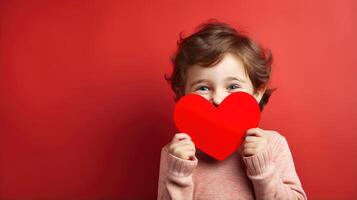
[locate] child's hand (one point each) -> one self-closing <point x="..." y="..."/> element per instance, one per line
<point x="181" y="146"/>
<point x="255" y="141"/>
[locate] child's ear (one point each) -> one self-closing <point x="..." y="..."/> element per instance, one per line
<point x="258" y="94"/>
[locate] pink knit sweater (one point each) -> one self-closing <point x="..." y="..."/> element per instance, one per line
<point x="268" y="175"/>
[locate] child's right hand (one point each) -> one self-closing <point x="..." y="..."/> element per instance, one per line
<point x="181" y="146"/>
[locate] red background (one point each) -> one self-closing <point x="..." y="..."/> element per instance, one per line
<point x="85" y="110"/>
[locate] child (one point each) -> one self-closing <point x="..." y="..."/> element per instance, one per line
<point x="214" y="62"/>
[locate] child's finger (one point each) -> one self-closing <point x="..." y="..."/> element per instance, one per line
<point x="249" y="151"/>
<point x="254" y="131"/>
<point x="180" y="136"/>
<point x="184" y="152"/>
<point x="187" y="149"/>
<point x="190" y="155"/>
<point x="249" y="139"/>
<point x="186" y="142"/>
<point x="250" y="145"/>
<point x="183" y="143"/>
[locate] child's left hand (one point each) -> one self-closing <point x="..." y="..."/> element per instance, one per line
<point x="255" y="141"/>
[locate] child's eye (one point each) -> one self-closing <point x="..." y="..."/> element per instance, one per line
<point x="203" y="88"/>
<point x="233" y="86"/>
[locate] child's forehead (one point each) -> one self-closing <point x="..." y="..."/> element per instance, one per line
<point x="229" y="66"/>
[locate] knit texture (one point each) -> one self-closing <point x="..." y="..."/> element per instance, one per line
<point x="269" y="175"/>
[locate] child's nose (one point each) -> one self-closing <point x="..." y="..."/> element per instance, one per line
<point x="216" y="100"/>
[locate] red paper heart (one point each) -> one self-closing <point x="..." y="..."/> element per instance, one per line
<point x="217" y="131"/>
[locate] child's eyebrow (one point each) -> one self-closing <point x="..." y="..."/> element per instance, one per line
<point x="198" y="81"/>
<point x="235" y="78"/>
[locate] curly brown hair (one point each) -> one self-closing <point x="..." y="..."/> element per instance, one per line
<point x="207" y="46"/>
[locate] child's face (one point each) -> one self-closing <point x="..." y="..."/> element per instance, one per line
<point x="217" y="82"/>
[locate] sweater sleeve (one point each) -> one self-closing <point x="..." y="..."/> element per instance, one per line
<point x="273" y="173"/>
<point x="175" y="177"/>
